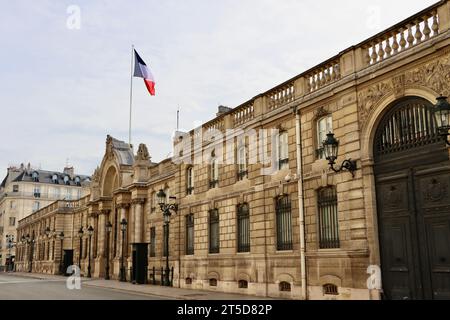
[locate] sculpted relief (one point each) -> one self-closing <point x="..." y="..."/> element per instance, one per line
<point x="434" y="75"/>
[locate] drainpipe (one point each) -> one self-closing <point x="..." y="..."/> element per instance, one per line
<point x="301" y="210"/>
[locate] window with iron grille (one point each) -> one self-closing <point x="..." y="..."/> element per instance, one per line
<point x="330" y="289"/>
<point x="243" y="228"/>
<point x="328" y="218"/>
<point x="243" y="284"/>
<point x="284" y="223"/>
<point x="152" y="242"/>
<point x="214" y="244"/>
<point x="285" y="286"/>
<point x="190" y="234"/>
<point x="283" y="150"/>
<point x="213" y="282"/>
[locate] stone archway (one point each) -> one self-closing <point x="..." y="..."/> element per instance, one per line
<point x="412" y="182"/>
<point x="110" y="182"/>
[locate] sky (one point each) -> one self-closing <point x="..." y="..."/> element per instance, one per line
<point x="65" y="66"/>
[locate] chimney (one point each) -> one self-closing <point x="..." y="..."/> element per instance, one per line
<point x="69" y="171"/>
<point x="222" y="110"/>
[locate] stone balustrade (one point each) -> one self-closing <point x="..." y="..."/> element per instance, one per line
<point x="280" y="96"/>
<point x="323" y="75"/>
<point x="243" y="114"/>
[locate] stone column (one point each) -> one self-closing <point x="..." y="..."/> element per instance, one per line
<point x="138" y="223"/>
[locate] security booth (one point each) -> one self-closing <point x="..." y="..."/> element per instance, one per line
<point x="139" y="263"/>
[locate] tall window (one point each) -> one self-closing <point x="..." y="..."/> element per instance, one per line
<point x="190" y="234"/>
<point x="214" y="231"/>
<point x="324" y="126"/>
<point x="15" y="188"/>
<point x="57" y="193"/>
<point x="37" y="192"/>
<point x="12" y="221"/>
<point x="190" y="180"/>
<point x="284" y="223"/>
<point x="214" y="172"/>
<point x="152" y="242"/>
<point x="243" y="228"/>
<point x="36" y="206"/>
<point x="12" y="204"/>
<point x="283" y="151"/>
<point x="242" y="163"/>
<point x="328" y="218"/>
<point x="68" y="194"/>
<point x="154" y="201"/>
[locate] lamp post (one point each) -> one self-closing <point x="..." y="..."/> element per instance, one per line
<point x="166" y="208"/>
<point x="61" y="266"/>
<point x="90" y="232"/>
<point x="24" y="244"/>
<point x="442" y="116"/>
<point x="123" y="228"/>
<point x="10" y="244"/>
<point x="331" y="147"/>
<point x="108" y="228"/>
<point x="30" y="242"/>
<point x="80" y="235"/>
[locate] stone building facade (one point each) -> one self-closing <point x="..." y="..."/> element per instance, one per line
<point x="259" y="210"/>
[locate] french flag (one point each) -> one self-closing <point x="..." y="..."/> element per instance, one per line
<point x="142" y="71"/>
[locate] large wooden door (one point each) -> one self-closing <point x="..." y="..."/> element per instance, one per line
<point x="412" y="171"/>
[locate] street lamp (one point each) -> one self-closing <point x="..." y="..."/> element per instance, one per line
<point x="61" y="267"/>
<point x="80" y="235"/>
<point x="331" y="147"/>
<point x="442" y="116"/>
<point x="108" y="228"/>
<point x="166" y="208"/>
<point x="123" y="228"/>
<point x="10" y="244"/>
<point x="30" y="242"/>
<point x="90" y="232"/>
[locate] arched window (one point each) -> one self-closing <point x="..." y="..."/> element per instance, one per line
<point x="77" y="181"/>
<point x="328" y="218"/>
<point x="324" y="126"/>
<point x="66" y="180"/>
<point x="35" y="176"/>
<point x="190" y="180"/>
<point x="55" y="178"/>
<point x="285" y="286"/>
<point x="243" y="228"/>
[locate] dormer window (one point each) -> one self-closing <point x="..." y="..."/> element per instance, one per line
<point x="35" y="176"/>
<point x="55" y="179"/>
<point x="66" y="180"/>
<point x="77" y="181"/>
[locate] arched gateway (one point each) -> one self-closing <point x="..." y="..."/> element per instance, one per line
<point x="412" y="172"/>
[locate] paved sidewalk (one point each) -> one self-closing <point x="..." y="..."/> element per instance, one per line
<point x="158" y="291"/>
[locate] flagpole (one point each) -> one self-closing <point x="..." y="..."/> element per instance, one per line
<point x="131" y="93"/>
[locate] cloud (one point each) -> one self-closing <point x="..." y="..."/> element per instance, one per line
<point x="62" y="91"/>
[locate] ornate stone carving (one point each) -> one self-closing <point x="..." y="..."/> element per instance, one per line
<point x="320" y="113"/>
<point x="142" y="153"/>
<point x="96" y="175"/>
<point x="109" y="147"/>
<point x="434" y="75"/>
<point x="368" y="99"/>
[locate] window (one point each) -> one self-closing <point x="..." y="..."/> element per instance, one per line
<point x="243" y="284"/>
<point x="285" y="286"/>
<point x="12" y="204"/>
<point x="152" y="241"/>
<point x="242" y="163"/>
<point x="283" y="151"/>
<point x="324" y="126"/>
<point x="213" y="282"/>
<point x="12" y="221"/>
<point x="284" y="223"/>
<point x="214" y="172"/>
<point x="66" y="180"/>
<point x="190" y="234"/>
<point x="154" y="201"/>
<point x="57" y="193"/>
<point x="37" y="192"/>
<point x="35" y="176"/>
<point x="36" y="206"/>
<point x="68" y="194"/>
<point x="243" y="228"/>
<point x="55" y="179"/>
<point x="78" y="181"/>
<point x="214" y="231"/>
<point x="15" y="188"/>
<point x="328" y="218"/>
<point x="190" y="181"/>
<point x="330" y="289"/>
<point x="188" y="281"/>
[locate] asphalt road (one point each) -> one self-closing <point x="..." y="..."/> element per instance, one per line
<point x="13" y="287"/>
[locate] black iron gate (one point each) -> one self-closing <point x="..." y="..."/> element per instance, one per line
<point x="412" y="171"/>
